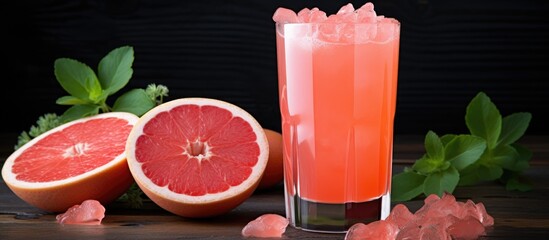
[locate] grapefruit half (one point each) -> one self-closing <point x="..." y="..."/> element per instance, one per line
<point x="79" y="160"/>
<point x="197" y="157"/>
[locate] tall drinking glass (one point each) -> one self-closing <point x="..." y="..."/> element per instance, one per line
<point x="337" y="90"/>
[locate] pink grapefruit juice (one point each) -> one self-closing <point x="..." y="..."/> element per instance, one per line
<point x="337" y="101"/>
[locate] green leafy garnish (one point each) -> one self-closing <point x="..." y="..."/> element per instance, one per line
<point x="488" y="153"/>
<point x="88" y="94"/>
<point x="133" y="197"/>
<point x="43" y="124"/>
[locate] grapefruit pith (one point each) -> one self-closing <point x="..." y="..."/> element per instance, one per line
<point x="79" y="160"/>
<point x="197" y="157"/>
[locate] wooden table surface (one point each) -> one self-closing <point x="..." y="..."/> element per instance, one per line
<point x="518" y="215"/>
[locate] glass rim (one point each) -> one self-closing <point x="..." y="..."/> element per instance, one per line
<point x="392" y="21"/>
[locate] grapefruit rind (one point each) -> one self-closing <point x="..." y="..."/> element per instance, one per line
<point x="163" y="196"/>
<point x="67" y="192"/>
<point x="274" y="172"/>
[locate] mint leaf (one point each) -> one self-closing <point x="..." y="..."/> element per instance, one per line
<point x="523" y="157"/>
<point x="468" y="180"/>
<point x="513" y="127"/>
<point x="433" y="146"/>
<point x="489" y="173"/>
<point x="445" y="139"/>
<point x="505" y="156"/>
<point x="518" y="184"/>
<point x="469" y="175"/>
<point x="69" y="100"/>
<point x="77" y="79"/>
<point x="115" y="69"/>
<point x="132" y="197"/>
<point x="95" y="92"/>
<point x="441" y="182"/>
<point x="425" y="165"/>
<point x="464" y="150"/>
<point x="478" y="172"/>
<point x="79" y="111"/>
<point x="483" y="119"/>
<point x="406" y="186"/>
<point x="135" y="101"/>
<point x="515" y="182"/>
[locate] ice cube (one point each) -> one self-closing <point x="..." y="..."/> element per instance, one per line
<point x="442" y="221"/>
<point x="375" y="230"/>
<point x="367" y="7"/>
<point x="433" y="232"/>
<point x="401" y="216"/>
<point x="410" y="232"/>
<point x="434" y="208"/>
<point x="346" y="14"/>
<point x="468" y="228"/>
<point x="432" y="198"/>
<point x="348" y="8"/>
<point x="284" y="15"/>
<point x="311" y="16"/>
<point x="366" y="14"/>
<point x="485" y="218"/>
<point x="266" y="225"/>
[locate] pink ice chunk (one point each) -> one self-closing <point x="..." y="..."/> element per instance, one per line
<point x="468" y="208"/>
<point x="375" y="230"/>
<point x="342" y="27"/>
<point x="484" y="218"/>
<point x="439" y="208"/>
<point x="89" y="212"/>
<point x="410" y="232"/>
<point x="349" y="8"/>
<point x="432" y="198"/>
<point x="467" y="228"/>
<point x="366" y="14"/>
<point x="346" y="14"/>
<point x="401" y="216"/>
<point x="311" y="16"/>
<point x="439" y="218"/>
<point x="433" y="232"/>
<point x="442" y="221"/>
<point x="284" y="15"/>
<point x="266" y="225"/>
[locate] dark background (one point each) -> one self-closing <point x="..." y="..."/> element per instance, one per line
<point x="450" y="50"/>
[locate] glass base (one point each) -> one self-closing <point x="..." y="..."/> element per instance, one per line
<point x="334" y="218"/>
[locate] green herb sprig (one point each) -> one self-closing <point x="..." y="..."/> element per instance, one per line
<point x="488" y="153"/>
<point x="89" y="92"/>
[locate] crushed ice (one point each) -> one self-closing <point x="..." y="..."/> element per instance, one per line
<point x="438" y="218"/>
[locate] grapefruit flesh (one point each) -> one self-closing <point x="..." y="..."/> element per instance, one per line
<point x="80" y="160"/>
<point x="197" y="157"/>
